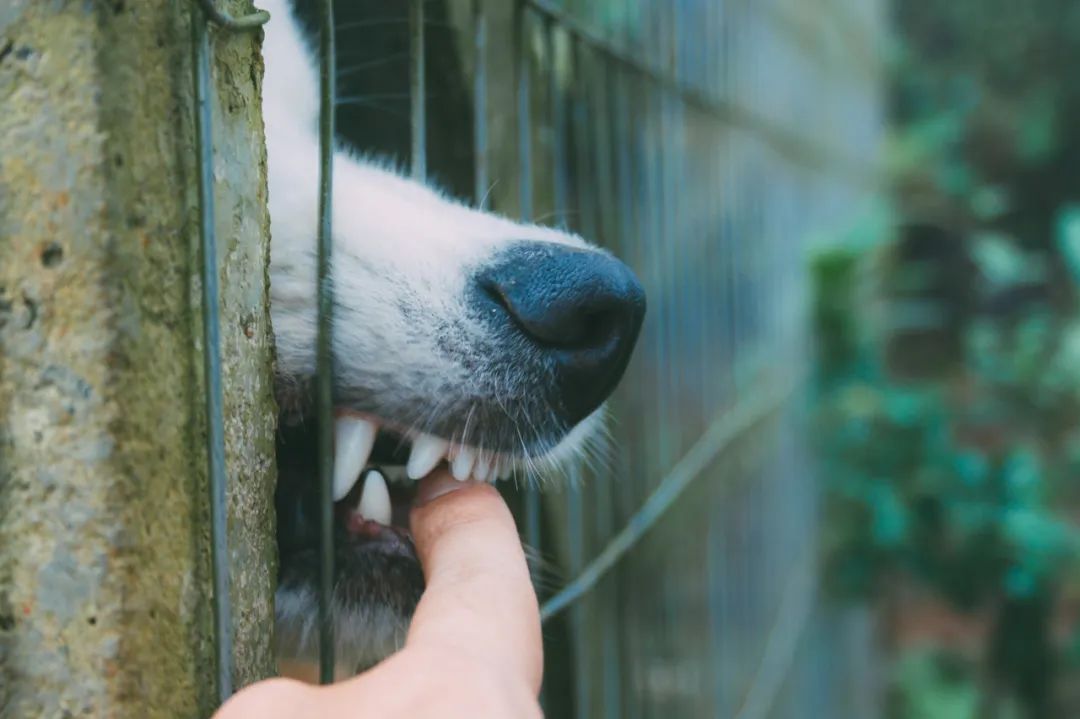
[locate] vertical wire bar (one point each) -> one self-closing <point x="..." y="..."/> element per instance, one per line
<point x="582" y="665"/>
<point x="712" y="30"/>
<point x="480" y="131"/>
<point x="628" y="222"/>
<point x="732" y="88"/>
<point x="603" y="75"/>
<point x="525" y="190"/>
<point x="557" y="100"/>
<point x="324" y="370"/>
<point x="582" y="678"/>
<point x="719" y="347"/>
<point x="215" y="425"/>
<point x="651" y="237"/>
<point x="766" y="78"/>
<point x="716" y="550"/>
<point x="661" y="235"/>
<point x="523" y="93"/>
<point x="417" y="90"/>
<point x="586" y="171"/>
<point x="737" y="163"/>
<point x="624" y="142"/>
<point x="654" y="235"/>
<point x="683" y="240"/>
<point x="670" y="148"/>
<point x="560" y="181"/>
<point x="631" y="217"/>
<point x="601" y="146"/>
<point x="575" y="512"/>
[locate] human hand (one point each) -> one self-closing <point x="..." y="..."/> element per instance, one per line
<point x="474" y="647"/>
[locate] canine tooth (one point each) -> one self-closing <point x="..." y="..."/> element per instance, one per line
<point x="375" y="499"/>
<point x="353" y="439"/>
<point x="426" y="452"/>
<point x="483" y="467"/>
<point x="464" y="459"/>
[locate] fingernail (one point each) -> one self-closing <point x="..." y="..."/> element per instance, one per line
<point x="437" y="484"/>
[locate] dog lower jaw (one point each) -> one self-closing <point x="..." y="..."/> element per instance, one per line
<point x="376" y="591"/>
<point x="375" y="595"/>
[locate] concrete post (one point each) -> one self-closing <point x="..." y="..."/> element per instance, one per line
<point x="105" y="606"/>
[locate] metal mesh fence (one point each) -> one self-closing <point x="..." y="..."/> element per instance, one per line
<point x="211" y="330"/>
<point x="704" y="142"/>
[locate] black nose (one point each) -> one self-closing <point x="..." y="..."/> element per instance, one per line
<point x="582" y="308"/>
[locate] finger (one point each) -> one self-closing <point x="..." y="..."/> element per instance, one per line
<point x="273" y="698"/>
<point x="479" y="601"/>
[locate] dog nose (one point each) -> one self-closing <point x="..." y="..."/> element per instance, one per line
<point x="582" y="308"/>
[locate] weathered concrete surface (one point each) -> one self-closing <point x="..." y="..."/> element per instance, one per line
<point x="104" y="568"/>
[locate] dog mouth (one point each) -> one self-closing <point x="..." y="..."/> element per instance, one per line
<point x="363" y="442"/>
<point x="376" y="469"/>
<point x="375" y="514"/>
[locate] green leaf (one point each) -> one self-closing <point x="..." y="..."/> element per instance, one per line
<point x="1068" y="238"/>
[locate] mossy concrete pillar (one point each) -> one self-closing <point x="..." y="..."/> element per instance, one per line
<point x="105" y="603"/>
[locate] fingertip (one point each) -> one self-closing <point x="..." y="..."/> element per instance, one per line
<point x="440" y="483"/>
<point x="444" y="504"/>
<point x="279" y="698"/>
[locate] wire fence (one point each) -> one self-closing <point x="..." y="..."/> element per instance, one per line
<point x="703" y="143"/>
<point x="211" y="303"/>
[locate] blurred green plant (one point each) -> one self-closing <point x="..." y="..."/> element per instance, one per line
<point x="948" y="348"/>
<point x="931" y="684"/>
<point x="959" y="482"/>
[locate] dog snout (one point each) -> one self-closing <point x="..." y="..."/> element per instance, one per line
<point x="581" y="308"/>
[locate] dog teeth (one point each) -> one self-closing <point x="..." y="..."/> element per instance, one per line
<point x="464" y="459"/>
<point x="353" y="439"/>
<point x="374" y="501"/>
<point x="427" y="451"/>
<point x="483" y="467"/>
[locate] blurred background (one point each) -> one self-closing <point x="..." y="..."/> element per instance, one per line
<point x="945" y="392"/>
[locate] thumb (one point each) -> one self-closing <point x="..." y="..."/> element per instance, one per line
<point x="479" y="599"/>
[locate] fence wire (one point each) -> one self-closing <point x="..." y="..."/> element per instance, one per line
<point x="324" y="368"/>
<point x="695" y="141"/>
<point x="639" y="124"/>
<point x="215" y="420"/>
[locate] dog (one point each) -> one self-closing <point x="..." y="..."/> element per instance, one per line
<point x="459" y="337"/>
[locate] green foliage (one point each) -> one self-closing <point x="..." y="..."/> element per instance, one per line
<point x="1068" y="238"/>
<point x="956" y="480"/>
<point x="960" y="482"/>
<point x="931" y="684"/>
<point x="948" y="396"/>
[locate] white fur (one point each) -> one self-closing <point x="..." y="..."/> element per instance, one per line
<point x="402" y="256"/>
<point x="364" y="633"/>
<point x="407" y="346"/>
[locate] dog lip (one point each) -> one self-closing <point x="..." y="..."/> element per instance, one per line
<point x="367" y="535"/>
